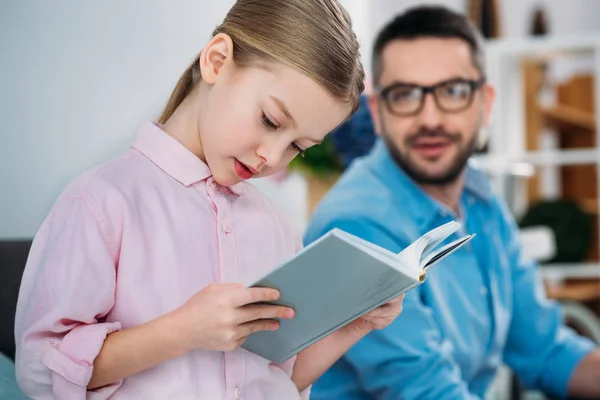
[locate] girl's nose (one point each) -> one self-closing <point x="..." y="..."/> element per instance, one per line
<point x="270" y="155"/>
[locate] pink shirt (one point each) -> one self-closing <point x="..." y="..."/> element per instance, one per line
<point x="130" y="241"/>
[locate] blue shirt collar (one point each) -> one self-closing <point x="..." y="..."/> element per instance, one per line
<point x="478" y="184"/>
<point x="422" y="206"/>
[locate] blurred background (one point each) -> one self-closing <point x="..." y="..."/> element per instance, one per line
<point x="78" y="78"/>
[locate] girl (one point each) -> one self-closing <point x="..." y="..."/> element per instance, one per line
<point x="134" y="288"/>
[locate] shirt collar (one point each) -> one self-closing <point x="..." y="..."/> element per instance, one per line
<point x="423" y="207"/>
<point x="173" y="157"/>
<point x="478" y="184"/>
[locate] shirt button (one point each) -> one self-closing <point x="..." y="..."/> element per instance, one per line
<point x="226" y="227"/>
<point x="237" y="393"/>
<point x="483" y="290"/>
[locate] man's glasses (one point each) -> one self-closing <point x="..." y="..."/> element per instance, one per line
<point x="405" y="100"/>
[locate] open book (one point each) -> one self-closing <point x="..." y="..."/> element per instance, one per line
<point x="338" y="278"/>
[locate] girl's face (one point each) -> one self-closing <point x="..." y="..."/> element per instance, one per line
<point x="253" y="121"/>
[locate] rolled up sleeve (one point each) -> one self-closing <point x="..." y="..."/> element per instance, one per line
<point x="540" y="348"/>
<point x="67" y="291"/>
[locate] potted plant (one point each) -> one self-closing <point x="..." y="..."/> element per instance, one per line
<point x="322" y="165"/>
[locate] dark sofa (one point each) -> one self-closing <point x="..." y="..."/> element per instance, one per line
<point x="13" y="256"/>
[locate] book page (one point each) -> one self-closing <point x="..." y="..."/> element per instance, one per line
<point x="444" y="251"/>
<point x="408" y="259"/>
<point x="408" y="264"/>
<point x="412" y="260"/>
<point x="436" y="236"/>
<point x="413" y="257"/>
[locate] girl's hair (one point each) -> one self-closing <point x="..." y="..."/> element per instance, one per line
<point x="314" y="37"/>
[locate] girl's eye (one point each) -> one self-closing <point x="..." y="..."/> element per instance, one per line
<point x="298" y="149"/>
<point x="267" y="122"/>
<point x="271" y="125"/>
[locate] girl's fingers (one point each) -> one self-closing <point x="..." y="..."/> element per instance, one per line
<point x="254" y="312"/>
<point x="255" y="295"/>
<point x="249" y="328"/>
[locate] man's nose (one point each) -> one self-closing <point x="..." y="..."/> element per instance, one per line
<point x="430" y="115"/>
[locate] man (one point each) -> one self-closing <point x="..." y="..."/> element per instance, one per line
<point x="482" y="305"/>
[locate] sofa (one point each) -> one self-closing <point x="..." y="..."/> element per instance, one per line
<point x="13" y="255"/>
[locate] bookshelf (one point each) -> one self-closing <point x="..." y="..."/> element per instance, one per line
<point x="517" y="67"/>
<point x="570" y="116"/>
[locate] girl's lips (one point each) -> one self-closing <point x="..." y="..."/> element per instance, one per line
<point x="242" y="170"/>
<point x="254" y="171"/>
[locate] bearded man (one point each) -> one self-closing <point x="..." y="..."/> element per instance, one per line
<point x="482" y="306"/>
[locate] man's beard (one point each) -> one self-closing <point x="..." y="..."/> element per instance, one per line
<point x="419" y="175"/>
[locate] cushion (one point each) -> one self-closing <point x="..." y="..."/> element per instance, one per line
<point x="8" y="384"/>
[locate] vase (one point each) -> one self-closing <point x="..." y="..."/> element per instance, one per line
<point x="485" y="15"/>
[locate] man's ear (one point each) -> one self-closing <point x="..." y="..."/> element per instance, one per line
<point x="489" y="95"/>
<point x="217" y="54"/>
<point x="374" y="103"/>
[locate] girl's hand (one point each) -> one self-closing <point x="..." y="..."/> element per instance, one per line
<point x="380" y="317"/>
<point x="221" y="316"/>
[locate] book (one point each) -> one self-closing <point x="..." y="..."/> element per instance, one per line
<point x="340" y="277"/>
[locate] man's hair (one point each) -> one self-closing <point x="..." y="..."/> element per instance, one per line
<point x="428" y="21"/>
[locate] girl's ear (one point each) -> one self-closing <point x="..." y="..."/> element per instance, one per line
<point x="217" y="54"/>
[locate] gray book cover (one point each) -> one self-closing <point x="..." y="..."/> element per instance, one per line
<point x="338" y="278"/>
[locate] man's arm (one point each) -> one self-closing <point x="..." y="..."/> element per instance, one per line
<point x="540" y="348"/>
<point x="585" y="381"/>
<point x="409" y="359"/>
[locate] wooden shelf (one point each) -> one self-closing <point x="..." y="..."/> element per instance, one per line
<point x="559" y="272"/>
<point x="583" y="290"/>
<point x="562" y="114"/>
<point x="562" y="157"/>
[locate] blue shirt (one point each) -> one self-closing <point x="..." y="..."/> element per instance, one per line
<point x="481" y="306"/>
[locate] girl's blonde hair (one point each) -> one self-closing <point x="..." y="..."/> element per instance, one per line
<point x="314" y="37"/>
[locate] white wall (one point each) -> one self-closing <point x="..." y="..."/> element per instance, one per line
<point x="77" y="78"/>
<point x="565" y="17"/>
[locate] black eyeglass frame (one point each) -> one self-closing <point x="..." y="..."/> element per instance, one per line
<point x="475" y="85"/>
